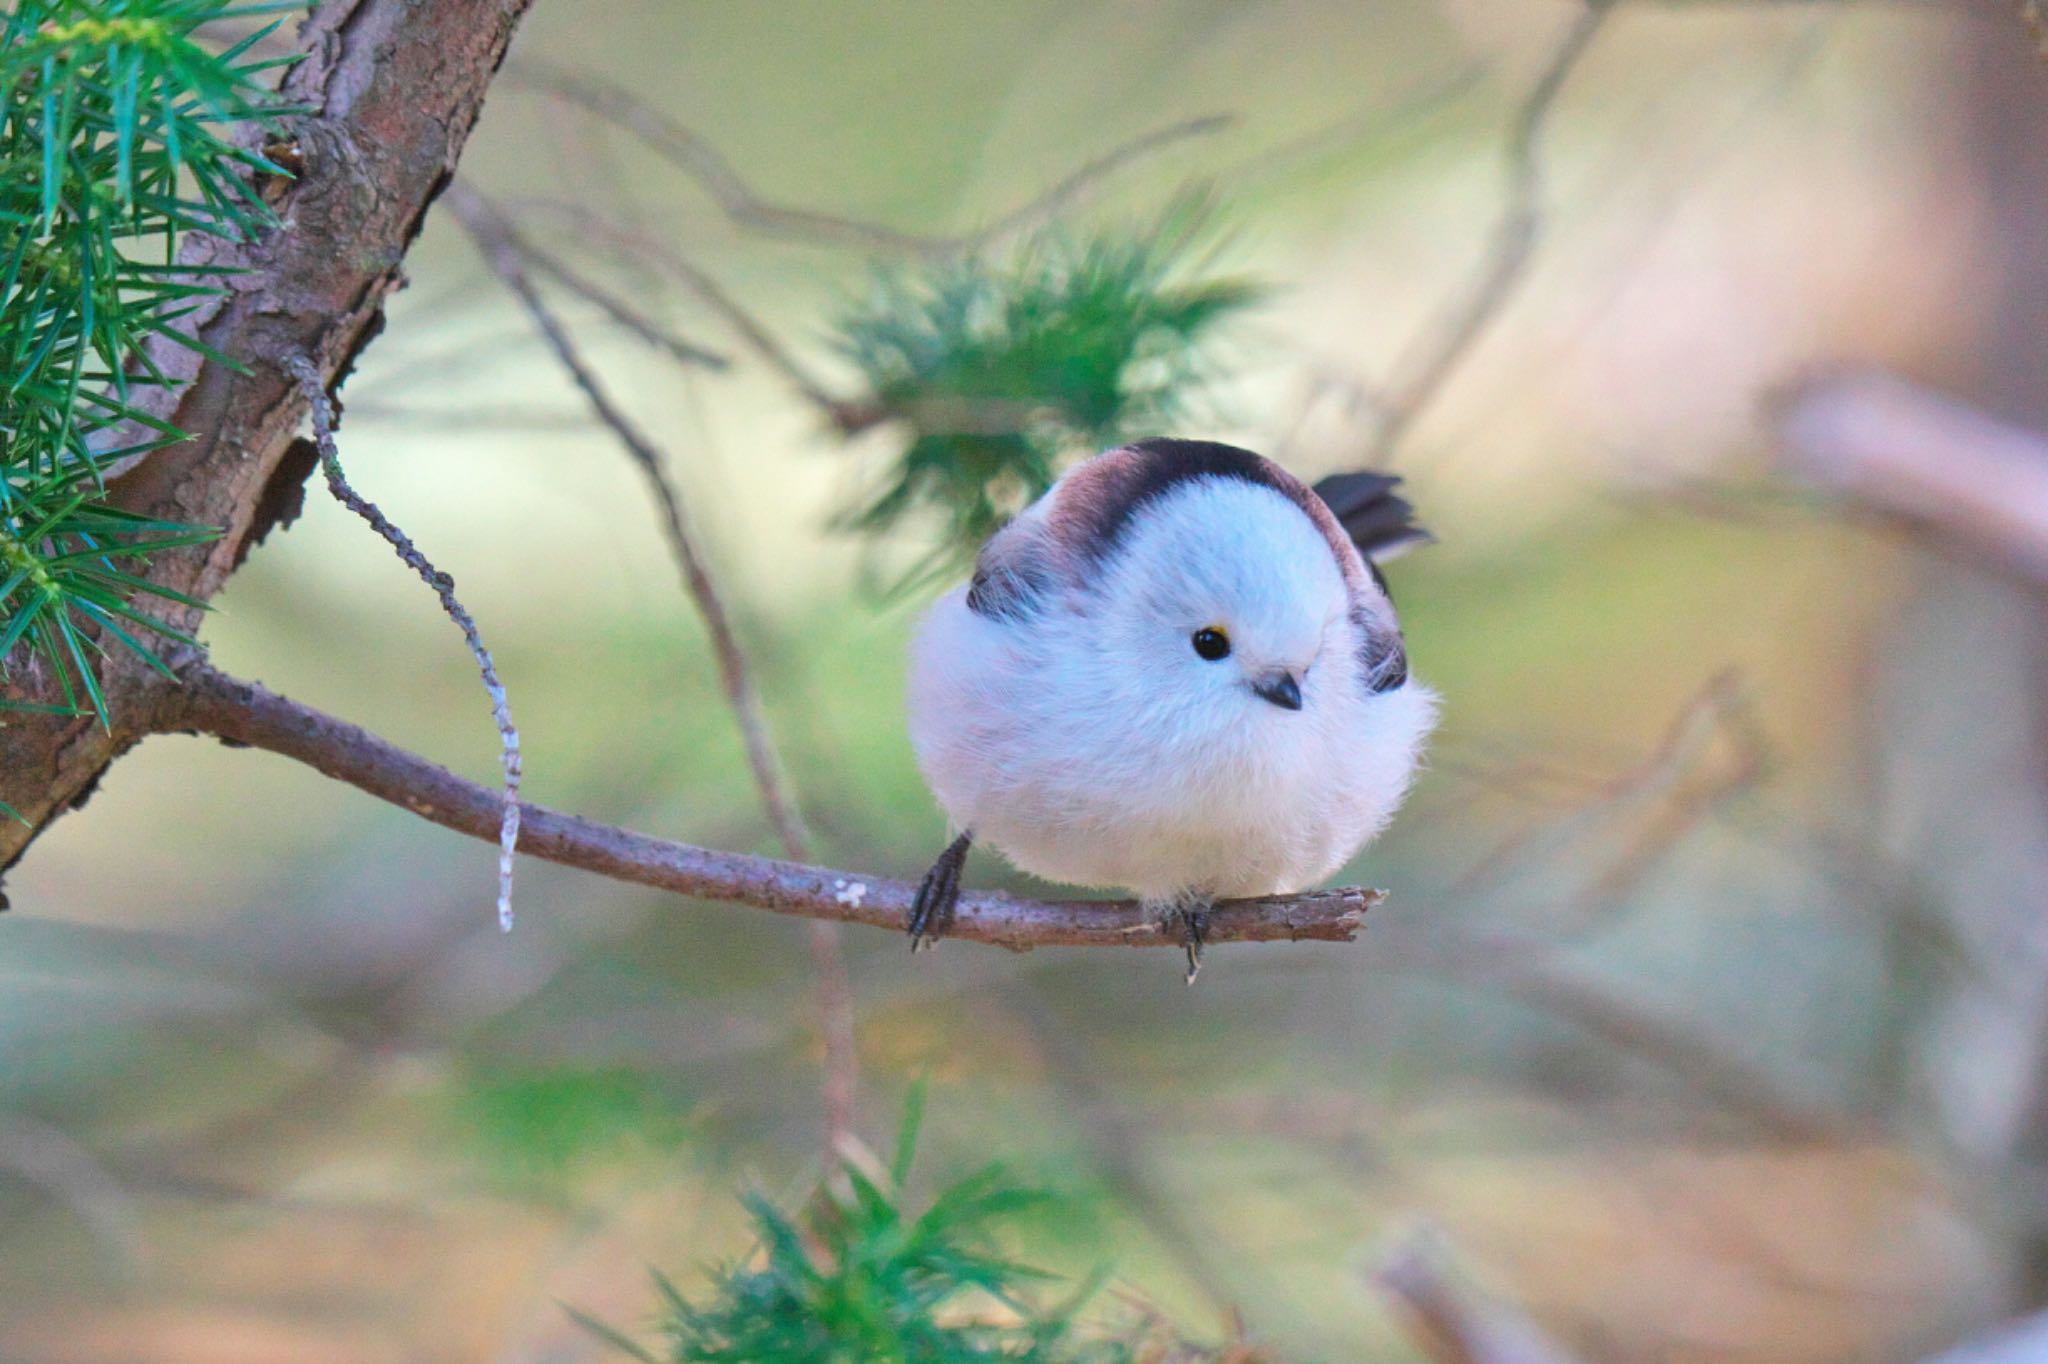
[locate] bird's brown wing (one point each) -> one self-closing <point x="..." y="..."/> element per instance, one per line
<point x="1016" y="574"/>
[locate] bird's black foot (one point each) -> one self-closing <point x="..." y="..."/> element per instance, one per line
<point x="1190" y="917"/>
<point x="931" y="913"/>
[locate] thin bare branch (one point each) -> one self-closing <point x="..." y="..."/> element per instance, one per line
<point x="508" y="256"/>
<point x="444" y="587"/>
<point x="1662" y="799"/>
<point x="1378" y="125"/>
<point x="1590" y="859"/>
<point x="835" y="1011"/>
<point x="682" y="351"/>
<point x="590" y="225"/>
<point x="246" y="713"/>
<point x="504" y="251"/>
<point x="1075" y="188"/>
<point x="692" y="154"/>
<point x="1449" y="339"/>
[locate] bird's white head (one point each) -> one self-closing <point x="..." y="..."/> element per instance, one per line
<point x="1224" y="590"/>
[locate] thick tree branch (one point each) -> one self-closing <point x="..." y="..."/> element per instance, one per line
<point x="246" y="713"/>
<point x="394" y="87"/>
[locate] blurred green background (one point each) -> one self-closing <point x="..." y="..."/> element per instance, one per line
<point x="1707" y="1017"/>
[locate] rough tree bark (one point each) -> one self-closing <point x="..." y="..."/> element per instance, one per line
<point x="394" y="87"/>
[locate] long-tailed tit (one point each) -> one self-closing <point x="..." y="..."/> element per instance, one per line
<point x="1177" y="673"/>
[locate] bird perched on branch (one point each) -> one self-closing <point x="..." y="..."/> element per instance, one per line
<point x="1177" y="673"/>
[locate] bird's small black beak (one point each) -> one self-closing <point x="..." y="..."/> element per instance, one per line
<point x="1281" y="689"/>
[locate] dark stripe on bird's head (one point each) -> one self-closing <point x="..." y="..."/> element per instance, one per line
<point x="1099" y="501"/>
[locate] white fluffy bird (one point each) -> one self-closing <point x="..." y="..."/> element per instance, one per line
<point x="1175" y="674"/>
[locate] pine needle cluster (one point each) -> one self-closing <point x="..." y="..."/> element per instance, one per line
<point x="1003" y="371"/>
<point x="857" y="1277"/>
<point x="118" y="124"/>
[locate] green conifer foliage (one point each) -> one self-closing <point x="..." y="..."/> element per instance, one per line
<point x="123" y="129"/>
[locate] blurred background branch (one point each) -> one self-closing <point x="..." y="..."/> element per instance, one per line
<point x="1915" y="457"/>
<point x="1464" y="319"/>
<point x="1452" y="1322"/>
<point x="692" y="154"/>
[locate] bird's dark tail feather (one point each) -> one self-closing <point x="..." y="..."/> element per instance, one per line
<point x="1378" y="520"/>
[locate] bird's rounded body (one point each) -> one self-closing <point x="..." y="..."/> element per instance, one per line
<point x="1062" y="715"/>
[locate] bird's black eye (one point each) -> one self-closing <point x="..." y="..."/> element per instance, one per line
<point x="1211" y="643"/>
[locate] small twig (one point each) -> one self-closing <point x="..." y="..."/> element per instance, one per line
<point x="1445" y="343"/>
<point x="1671" y="180"/>
<point x="1075" y="187"/>
<point x="507" y="255"/>
<point x="618" y="310"/>
<point x="1670" y="792"/>
<point x="444" y="587"/>
<point x="692" y="154"/>
<point x="504" y="251"/>
<point x="1667" y="795"/>
<point x="588" y="223"/>
<point x="247" y="713"/>
<point x="1376" y="123"/>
